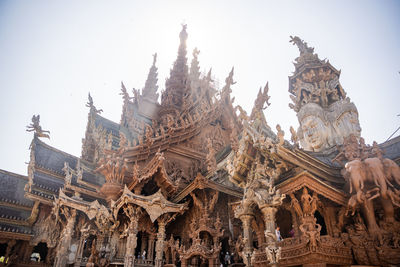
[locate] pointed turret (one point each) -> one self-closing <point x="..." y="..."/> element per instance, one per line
<point x="175" y="86"/>
<point x="226" y="90"/>
<point x="314" y="80"/>
<point x="193" y="86"/>
<point x="150" y="88"/>
<point x="194" y="74"/>
<point x="325" y="114"/>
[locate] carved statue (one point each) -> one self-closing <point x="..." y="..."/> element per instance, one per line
<point x="294" y="138"/>
<point x="261" y="102"/>
<point x="35" y="127"/>
<point x="296" y="205"/>
<point x="306" y="200"/>
<point x="315" y="132"/>
<point x="90" y="105"/>
<point x="210" y="158"/>
<point x="68" y="173"/>
<point x="280" y="134"/>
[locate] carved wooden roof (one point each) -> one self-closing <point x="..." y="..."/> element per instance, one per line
<point x="155" y="205"/>
<point x="307" y="179"/>
<point x="156" y="165"/>
<point x="15" y="209"/>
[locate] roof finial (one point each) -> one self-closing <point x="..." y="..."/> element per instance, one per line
<point x="303" y="47"/>
<point x="154" y="59"/>
<point x="35" y="127"/>
<point x="90" y="105"/>
<point x="183" y="35"/>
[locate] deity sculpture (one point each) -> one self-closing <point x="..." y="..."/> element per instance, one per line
<point x="315" y="132"/>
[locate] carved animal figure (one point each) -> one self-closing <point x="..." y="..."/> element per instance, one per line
<point x="361" y="172"/>
<point x="392" y="171"/>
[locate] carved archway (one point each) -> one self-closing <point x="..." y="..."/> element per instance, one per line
<point x="3" y="249"/>
<point x="88" y="245"/>
<point x="42" y="249"/>
<point x="285" y="222"/>
<point x="321" y="221"/>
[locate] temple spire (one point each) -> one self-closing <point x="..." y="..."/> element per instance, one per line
<point x="326" y="115"/>
<point x="194" y="67"/>
<point x="175" y="85"/>
<point x="150" y="88"/>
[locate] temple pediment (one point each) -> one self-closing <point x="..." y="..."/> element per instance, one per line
<point x="155" y="205"/>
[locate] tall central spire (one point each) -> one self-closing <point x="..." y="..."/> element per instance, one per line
<point x="176" y="84"/>
<point x="151" y="87"/>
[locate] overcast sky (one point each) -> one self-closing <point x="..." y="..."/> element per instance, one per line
<point x="52" y="53"/>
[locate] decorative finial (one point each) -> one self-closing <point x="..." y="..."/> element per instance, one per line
<point x="90" y="105"/>
<point x="229" y="79"/>
<point x="261" y="102"/>
<point x="303" y="47"/>
<point x="154" y="59"/>
<point x="183" y="34"/>
<point x="35" y="127"/>
<point x="195" y="52"/>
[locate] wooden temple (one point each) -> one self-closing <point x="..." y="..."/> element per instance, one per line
<point x="193" y="180"/>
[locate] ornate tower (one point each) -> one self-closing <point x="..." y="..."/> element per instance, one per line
<point x="149" y="91"/>
<point x="176" y="84"/>
<point x="325" y="114"/>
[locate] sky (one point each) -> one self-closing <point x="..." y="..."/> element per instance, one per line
<point x="52" y="53"/>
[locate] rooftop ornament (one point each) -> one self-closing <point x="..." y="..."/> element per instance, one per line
<point x="35" y="127"/>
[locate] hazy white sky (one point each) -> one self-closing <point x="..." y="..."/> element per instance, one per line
<point x="52" y="53"/>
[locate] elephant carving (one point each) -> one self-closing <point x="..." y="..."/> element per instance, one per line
<point x="392" y="171"/>
<point x="370" y="170"/>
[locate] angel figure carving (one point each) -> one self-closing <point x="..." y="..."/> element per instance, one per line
<point x="35" y="127"/>
<point x="205" y="202"/>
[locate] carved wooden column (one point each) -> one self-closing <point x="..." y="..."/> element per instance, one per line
<point x="160" y="242"/>
<point x="27" y="251"/>
<point x="150" y="247"/>
<point x="269" y="221"/>
<point x="113" y="241"/>
<point x="78" y="258"/>
<point x="66" y="237"/>
<point x="100" y="241"/>
<point x="131" y="244"/>
<point x="247" y="237"/>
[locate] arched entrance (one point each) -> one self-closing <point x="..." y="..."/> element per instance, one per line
<point x="88" y="246"/>
<point x="321" y="221"/>
<point x="40" y="251"/>
<point x="284" y="221"/>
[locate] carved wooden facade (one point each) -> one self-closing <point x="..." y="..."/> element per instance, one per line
<point x="195" y="181"/>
